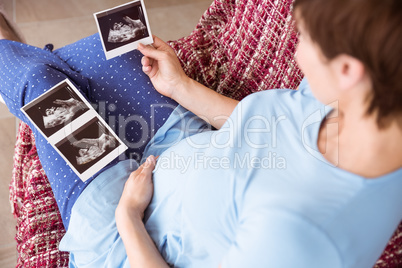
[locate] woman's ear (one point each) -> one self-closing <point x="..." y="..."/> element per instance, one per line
<point x="349" y="71"/>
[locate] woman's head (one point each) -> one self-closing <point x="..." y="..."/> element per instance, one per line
<point x="369" y="31"/>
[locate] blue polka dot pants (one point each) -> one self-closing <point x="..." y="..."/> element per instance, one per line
<point x="118" y="89"/>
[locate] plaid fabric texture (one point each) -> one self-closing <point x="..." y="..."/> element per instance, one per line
<point x="39" y="225"/>
<point x="392" y="255"/>
<point x="238" y="47"/>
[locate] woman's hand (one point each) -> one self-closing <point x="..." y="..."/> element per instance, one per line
<point x="137" y="192"/>
<point x="140" y="248"/>
<point x="162" y="66"/>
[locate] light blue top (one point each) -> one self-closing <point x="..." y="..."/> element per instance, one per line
<point x="256" y="193"/>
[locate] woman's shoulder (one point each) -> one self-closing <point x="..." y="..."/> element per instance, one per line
<point x="283" y="100"/>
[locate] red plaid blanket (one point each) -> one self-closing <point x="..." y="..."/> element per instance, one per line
<point x="237" y="48"/>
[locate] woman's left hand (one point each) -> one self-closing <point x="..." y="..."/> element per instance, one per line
<point x="140" y="248"/>
<point x="138" y="191"/>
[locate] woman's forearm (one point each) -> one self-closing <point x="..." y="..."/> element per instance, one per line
<point x="204" y="102"/>
<point x="141" y="250"/>
<point x="162" y="66"/>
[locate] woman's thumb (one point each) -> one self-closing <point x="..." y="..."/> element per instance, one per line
<point x="150" y="52"/>
<point x="150" y="163"/>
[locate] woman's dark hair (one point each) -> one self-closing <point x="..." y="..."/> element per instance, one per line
<point x="368" y="30"/>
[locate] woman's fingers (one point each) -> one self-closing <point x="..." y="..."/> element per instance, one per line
<point x="148" y="166"/>
<point x="147" y="64"/>
<point x="146" y="61"/>
<point x="137" y="171"/>
<point x="158" y="43"/>
<point x="161" y="65"/>
<point x="138" y="190"/>
<point x="157" y="51"/>
<point x="151" y="52"/>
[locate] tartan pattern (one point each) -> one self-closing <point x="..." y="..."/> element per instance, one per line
<point x="242" y="46"/>
<point x="39" y="224"/>
<point x="392" y="255"/>
<point x="238" y="47"/>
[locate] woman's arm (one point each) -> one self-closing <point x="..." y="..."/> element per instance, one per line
<point x="160" y="63"/>
<point x="137" y="193"/>
<point x="141" y="250"/>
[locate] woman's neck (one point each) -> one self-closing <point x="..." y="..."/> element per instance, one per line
<point x="352" y="141"/>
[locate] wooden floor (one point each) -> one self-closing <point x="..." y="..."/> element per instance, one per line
<point x="62" y="22"/>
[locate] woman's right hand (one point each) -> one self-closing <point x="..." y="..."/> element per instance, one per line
<point x="162" y="66"/>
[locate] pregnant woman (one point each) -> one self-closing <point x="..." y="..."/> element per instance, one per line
<point x="306" y="178"/>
